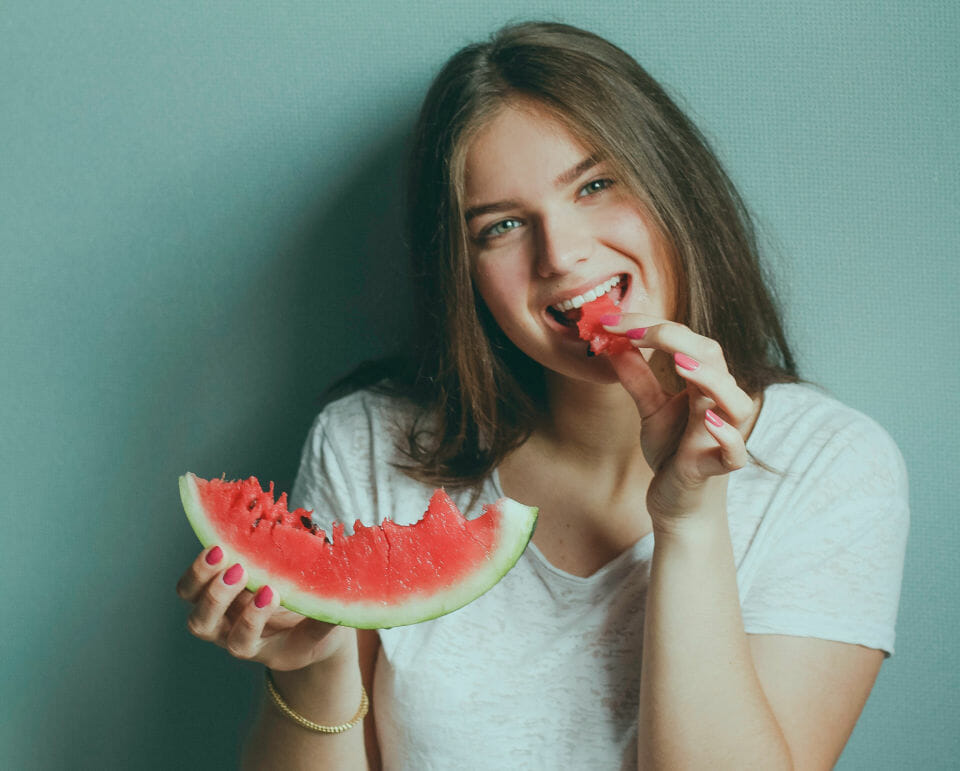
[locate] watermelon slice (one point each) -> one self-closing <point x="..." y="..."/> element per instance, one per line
<point x="590" y="328"/>
<point x="379" y="577"/>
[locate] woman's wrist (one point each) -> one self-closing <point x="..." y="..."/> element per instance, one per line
<point x="326" y="691"/>
<point x="689" y="513"/>
<point x="694" y="532"/>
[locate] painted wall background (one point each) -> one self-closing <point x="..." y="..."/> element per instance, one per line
<point x="199" y="231"/>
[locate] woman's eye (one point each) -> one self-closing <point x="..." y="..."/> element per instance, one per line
<point x="594" y="186"/>
<point x="499" y="228"/>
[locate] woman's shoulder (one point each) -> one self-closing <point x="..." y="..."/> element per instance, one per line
<point x="377" y="410"/>
<point x="803" y="420"/>
<point x="367" y="428"/>
<point x="372" y="406"/>
<point x="792" y="407"/>
<point x="352" y="460"/>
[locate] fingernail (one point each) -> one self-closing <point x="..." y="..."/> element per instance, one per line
<point x="685" y="361"/>
<point x="714" y="418"/>
<point x="636" y="334"/>
<point x="233" y="575"/>
<point x="610" y="319"/>
<point x="263" y="597"/>
<point x="214" y="555"/>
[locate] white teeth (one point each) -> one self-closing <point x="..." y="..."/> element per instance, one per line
<point x="590" y="296"/>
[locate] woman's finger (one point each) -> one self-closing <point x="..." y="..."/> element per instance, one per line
<point x="710" y="446"/>
<point x="717" y="442"/>
<point x="207" y="564"/>
<point x="719" y="385"/>
<point x="697" y="359"/>
<point x="208" y="619"/>
<point x="733" y="450"/>
<point x="245" y="638"/>
<point x="641" y="383"/>
<point x="650" y="332"/>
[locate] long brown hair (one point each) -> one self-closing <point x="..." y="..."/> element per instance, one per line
<point x="478" y="395"/>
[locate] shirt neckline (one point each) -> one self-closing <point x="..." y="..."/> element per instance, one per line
<point x="643" y="547"/>
<point x="640" y="549"/>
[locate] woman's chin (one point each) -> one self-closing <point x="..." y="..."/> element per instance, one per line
<point x="592" y="369"/>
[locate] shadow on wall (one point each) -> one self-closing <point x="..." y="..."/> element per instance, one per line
<point x="336" y="293"/>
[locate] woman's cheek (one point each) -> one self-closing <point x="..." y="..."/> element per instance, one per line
<point x="501" y="280"/>
<point x="630" y="232"/>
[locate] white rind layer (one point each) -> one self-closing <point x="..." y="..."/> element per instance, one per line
<point x="516" y="528"/>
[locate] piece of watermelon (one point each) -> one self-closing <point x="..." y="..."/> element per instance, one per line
<point x="379" y="577"/>
<point x="600" y="340"/>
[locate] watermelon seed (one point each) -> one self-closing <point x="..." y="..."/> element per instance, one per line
<point x="310" y="525"/>
<point x="252" y="505"/>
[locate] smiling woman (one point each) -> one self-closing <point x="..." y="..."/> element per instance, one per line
<point x="579" y="89"/>
<point x="573" y="234"/>
<point x="715" y="574"/>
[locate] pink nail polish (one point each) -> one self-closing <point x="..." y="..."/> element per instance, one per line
<point x="636" y="334"/>
<point x="233" y="575"/>
<point x="214" y="555"/>
<point x="263" y="597"/>
<point x="610" y="319"/>
<point x="714" y="418"/>
<point x="685" y="361"/>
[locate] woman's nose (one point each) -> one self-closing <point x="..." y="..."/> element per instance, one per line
<point x="561" y="244"/>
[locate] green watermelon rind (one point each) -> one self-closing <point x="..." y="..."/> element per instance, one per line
<point x="517" y="523"/>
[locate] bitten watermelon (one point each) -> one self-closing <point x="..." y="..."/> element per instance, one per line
<point x="590" y="328"/>
<point x="382" y="576"/>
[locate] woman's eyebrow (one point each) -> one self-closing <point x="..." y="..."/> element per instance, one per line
<point x="489" y="208"/>
<point x="575" y="171"/>
<point x="564" y="179"/>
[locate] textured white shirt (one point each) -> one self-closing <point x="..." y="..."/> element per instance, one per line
<point x="543" y="671"/>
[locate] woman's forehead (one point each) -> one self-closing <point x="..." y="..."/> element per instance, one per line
<point x="522" y="143"/>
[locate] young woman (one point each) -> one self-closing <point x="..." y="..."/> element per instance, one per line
<point x="715" y="574"/>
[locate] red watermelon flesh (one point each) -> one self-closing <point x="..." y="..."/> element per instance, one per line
<point x="600" y="340"/>
<point x="381" y="576"/>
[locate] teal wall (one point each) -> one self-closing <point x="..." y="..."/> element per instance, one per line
<point x="198" y="231"/>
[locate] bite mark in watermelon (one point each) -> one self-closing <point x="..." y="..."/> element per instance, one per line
<point x="379" y="577"/>
<point x="600" y="340"/>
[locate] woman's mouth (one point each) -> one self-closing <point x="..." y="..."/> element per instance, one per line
<point x="567" y="313"/>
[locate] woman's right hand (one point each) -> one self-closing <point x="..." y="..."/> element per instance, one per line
<point x="226" y="614"/>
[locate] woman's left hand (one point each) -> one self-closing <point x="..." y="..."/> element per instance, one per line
<point x="693" y="438"/>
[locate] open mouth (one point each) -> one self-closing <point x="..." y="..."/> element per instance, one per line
<point x="568" y="313"/>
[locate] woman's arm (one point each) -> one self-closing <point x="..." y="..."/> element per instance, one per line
<point x="712" y="696"/>
<point x="796" y="672"/>
<point x="703" y="696"/>
<point x="701" y="703"/>
<point x="327" y="692"/>
<point x="316" y="667"/>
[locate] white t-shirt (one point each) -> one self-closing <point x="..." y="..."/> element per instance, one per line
<point x="543" y="671"/>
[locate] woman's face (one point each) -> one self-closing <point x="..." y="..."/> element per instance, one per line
<point x="549" y="223"/>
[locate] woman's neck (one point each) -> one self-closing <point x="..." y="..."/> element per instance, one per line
<point x="598" y="421"/>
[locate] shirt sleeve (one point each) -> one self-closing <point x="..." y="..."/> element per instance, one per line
<point x="835" y="567"/>
<point x="322" y="485"/>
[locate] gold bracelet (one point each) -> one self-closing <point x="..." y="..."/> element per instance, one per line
<point x="309" y="724"/>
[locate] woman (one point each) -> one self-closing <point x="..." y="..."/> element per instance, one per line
<point x="714" y="577"/>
